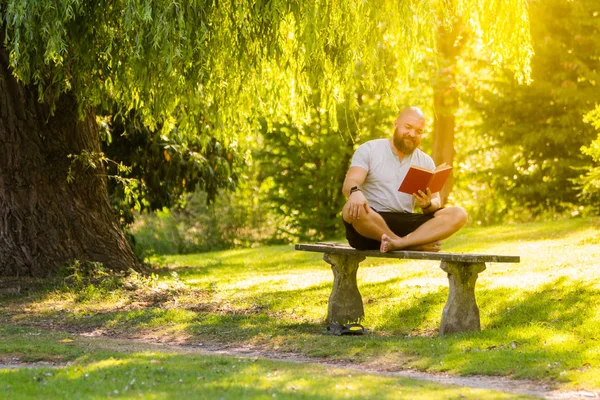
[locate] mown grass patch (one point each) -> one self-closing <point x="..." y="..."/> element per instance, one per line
<point x="540" y="318"/>
<point x="98" y="373"/>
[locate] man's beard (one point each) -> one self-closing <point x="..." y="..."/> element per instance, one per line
<point x="404" y="148"/>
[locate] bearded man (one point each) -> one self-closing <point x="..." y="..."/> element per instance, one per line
<point x="377" y="215"/>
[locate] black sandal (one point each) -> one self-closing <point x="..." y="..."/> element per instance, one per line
<point x="347" y="329"/>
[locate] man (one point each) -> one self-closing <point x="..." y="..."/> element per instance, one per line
<point x="376" y="215"/>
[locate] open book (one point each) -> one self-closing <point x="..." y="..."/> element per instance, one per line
<point x="419" y="178"/>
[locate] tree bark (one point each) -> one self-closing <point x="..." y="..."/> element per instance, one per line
<point x="445" y="100"/>
<point x="46" y="222"/>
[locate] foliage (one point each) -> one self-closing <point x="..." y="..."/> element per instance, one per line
<point x="215" y="62"/>
<point x="305" y="168"/>
<point x="163" y="167"/>
<point x="79" y="274"/>
<point x="524" y="152"/>
<point x="590" y="181"/>
<point x="302" y="164"/>
<point x="290" y="189"/>
<point x="234" y="219"/>
<point x="200" y="73"/>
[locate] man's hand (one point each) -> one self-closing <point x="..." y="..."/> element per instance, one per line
<point x="356" y="201"/>
<point x="422" y="199"/>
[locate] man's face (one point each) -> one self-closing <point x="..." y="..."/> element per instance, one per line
<point x="408" y="129"/>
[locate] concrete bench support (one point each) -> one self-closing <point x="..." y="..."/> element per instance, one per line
<point x="345" y="302"/>
<point x="460" y="314"/>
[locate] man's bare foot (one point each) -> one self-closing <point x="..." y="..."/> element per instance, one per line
<point x="389" y="244"/>
<point x="434" y="247"/>
<point x="384" y="246"/>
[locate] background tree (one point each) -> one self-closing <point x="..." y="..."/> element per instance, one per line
<point x="526" y="147"/>
<point x="306" y="166"/>
<point x="203" y="67"/>
<point x="461" y="30"/>
<point x="151" y="171"/>
<point x="589" y="181"/>
<point x="450" y="41"/>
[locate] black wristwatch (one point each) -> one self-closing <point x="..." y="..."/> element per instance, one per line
<point x="355" y="189"/>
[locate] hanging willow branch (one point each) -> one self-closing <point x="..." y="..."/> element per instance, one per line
<point x="175" y="61"/>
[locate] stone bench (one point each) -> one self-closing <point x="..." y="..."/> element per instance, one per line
<point x="460" y="313"/>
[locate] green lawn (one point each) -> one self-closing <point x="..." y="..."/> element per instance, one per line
<point x="540" y="318"/>
<point x="100" y="373"/>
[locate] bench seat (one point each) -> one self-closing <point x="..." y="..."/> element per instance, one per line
<point x="460" y="313"/>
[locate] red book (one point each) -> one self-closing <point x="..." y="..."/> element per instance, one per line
<point x="419" y="178"/>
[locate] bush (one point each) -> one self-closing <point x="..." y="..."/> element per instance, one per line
<point x="234" y="220"/>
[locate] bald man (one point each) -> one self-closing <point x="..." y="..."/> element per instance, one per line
<point x="376" y="215"/>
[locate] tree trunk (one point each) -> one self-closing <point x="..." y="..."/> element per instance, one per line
<point x="45" y="222"/>
<point x="445" y="100"/>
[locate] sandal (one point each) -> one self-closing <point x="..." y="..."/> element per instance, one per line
<point x="347" y="329"/>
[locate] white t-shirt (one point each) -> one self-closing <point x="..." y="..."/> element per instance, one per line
<point x="385" y="173"/>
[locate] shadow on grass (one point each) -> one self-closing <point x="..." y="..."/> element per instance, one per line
<point x="562" y="304"/>
<point x="524" y="332"/>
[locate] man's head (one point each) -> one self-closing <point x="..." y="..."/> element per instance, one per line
<point x="408" y="129"/>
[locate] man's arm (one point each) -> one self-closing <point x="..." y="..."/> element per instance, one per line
<point x="355" y="177"/>
<point x="356" y="200"/>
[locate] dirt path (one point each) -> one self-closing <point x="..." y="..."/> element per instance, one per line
<point x="501" y="384"/>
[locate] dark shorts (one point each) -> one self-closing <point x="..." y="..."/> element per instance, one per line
<point x="400" y="223"/>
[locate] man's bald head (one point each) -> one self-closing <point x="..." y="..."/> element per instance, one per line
<point x="413" y="111"/>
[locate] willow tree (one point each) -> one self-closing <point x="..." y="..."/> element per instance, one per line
<point x="465" y="29"/>
<point x="207" y="68"/>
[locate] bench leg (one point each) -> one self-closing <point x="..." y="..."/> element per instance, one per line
<point x="345" y="302"/>
<point x="461" y="313"/>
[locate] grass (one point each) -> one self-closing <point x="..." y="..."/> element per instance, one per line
<point x="540" y="318"/>
<point x="98" y="372"/>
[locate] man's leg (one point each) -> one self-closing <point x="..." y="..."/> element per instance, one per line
<point x="446" y="222"/>
<point x="372" y="225"/>
<point x="369" y="224"/>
